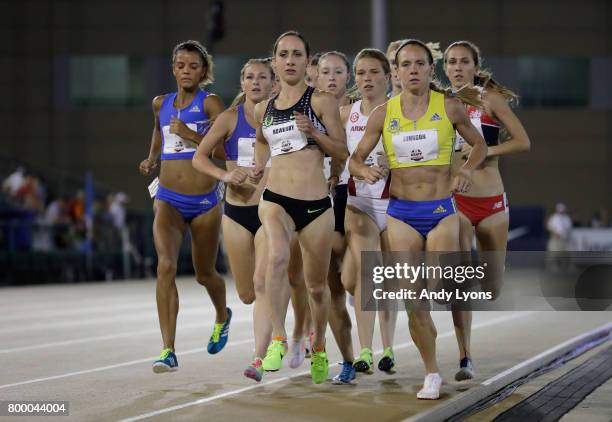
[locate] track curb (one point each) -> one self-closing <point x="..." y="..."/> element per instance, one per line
<point x="493" y="384"/>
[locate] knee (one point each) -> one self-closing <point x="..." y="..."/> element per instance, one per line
<point x="206" y="278"/>
<point x="296" y="279"/>
<point x="278" y="260"/>
<point x="421" y="319"/>
<point x="348" y="284"/>
<point x="247" y="296"/>
<point x="259" y="286"/>
<point x="338" y="296"/>
<point x="166" y="268"/>
<point x="318" y="292"/>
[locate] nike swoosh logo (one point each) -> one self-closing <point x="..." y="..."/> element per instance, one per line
<point x="313" y="211"/>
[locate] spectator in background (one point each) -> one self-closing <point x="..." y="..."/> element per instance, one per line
<point x="56" y="218"/>
<point x="104" y="238"/>
<point x="75" y="208"/>
<point x="56" y="212"/>
<point x="14" y="181"/>
<point x="117" y="209"/>
<point x="31" y="195"/>
<point x="601" y="218"/>
<point x="559" y="226"/>
<point x="576" y="221"/>
<point x="117" y="213"/>
<point x="75" y="212"/>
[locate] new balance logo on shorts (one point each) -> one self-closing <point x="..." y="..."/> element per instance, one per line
<point x="435" y="117"/>
<point x="498" y="205"/>
<point x="194" y="109"/>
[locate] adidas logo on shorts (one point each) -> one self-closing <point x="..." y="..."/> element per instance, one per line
<point x="205" y="201"/>
<point x="435" y="117"/>
<point x="439" y="210"/>
<point x="194" y="109"/>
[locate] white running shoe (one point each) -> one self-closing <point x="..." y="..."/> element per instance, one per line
<point x="297" y="353"/>
<point x="431" y="387"/>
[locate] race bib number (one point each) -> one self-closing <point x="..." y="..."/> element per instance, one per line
<point x="286" y="138"/>
<point x="417" y="146"/>
<point x="174" y="144"/>
<point x="246" y="153"/>
<point x="459" y="141"/>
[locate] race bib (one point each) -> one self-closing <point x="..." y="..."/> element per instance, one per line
<point x="417" y="146"/>
<point x="327" y="167"/>
<point x="246" y="153"/>
<point x="343" y="179"/>
<point x="459" y="141"/>
<point x="365" y="190"/>
<point x="154" y="187"/>
<point x="285" y="138"/>
<point x="174" y="144"/>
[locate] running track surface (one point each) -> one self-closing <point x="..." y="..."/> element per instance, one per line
<point x="93" y="344"/>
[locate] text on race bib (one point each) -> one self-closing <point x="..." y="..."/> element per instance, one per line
<point x="459" y="141"/>
<point x="174" y="144"/>
<point x="246" y="153"/>
<point x="417" y="146"/>
<point x="285" y="138"/>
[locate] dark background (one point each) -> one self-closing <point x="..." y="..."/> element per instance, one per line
<point x="78" y="78"/>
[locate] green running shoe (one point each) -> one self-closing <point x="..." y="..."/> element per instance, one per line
<point x="318" y="367"/>
<point x="365" y="361"/>
<point x="387" y="362"/>
<point x="274" y="356"/>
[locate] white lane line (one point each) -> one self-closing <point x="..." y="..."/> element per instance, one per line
<point x="111" y="337"/>
<point x="252" y="387"/>
<point x="204" y="310"/>
<point x="118" y="365"/>
<point x="35" y="314"/>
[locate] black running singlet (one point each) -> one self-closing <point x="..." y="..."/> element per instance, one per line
<point x="279" y="126"/>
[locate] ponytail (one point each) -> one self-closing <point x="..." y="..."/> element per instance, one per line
<point x="239" y="99"/>
<point x="468" y="95"/>
<point x="484" y="79"/>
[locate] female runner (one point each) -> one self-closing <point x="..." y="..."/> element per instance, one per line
<point x="295" y="128"/>
<point x="185" y="199"/>
<point x="484" y="209"/>
<point x="242" y="233"/>
<point x="366" y="221"/>
<point x="418" y="129"/>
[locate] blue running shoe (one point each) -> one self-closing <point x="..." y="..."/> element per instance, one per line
<point x="166" y="363"/>
<point x="218" y="339"/>
<point x="346" y="375"/>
